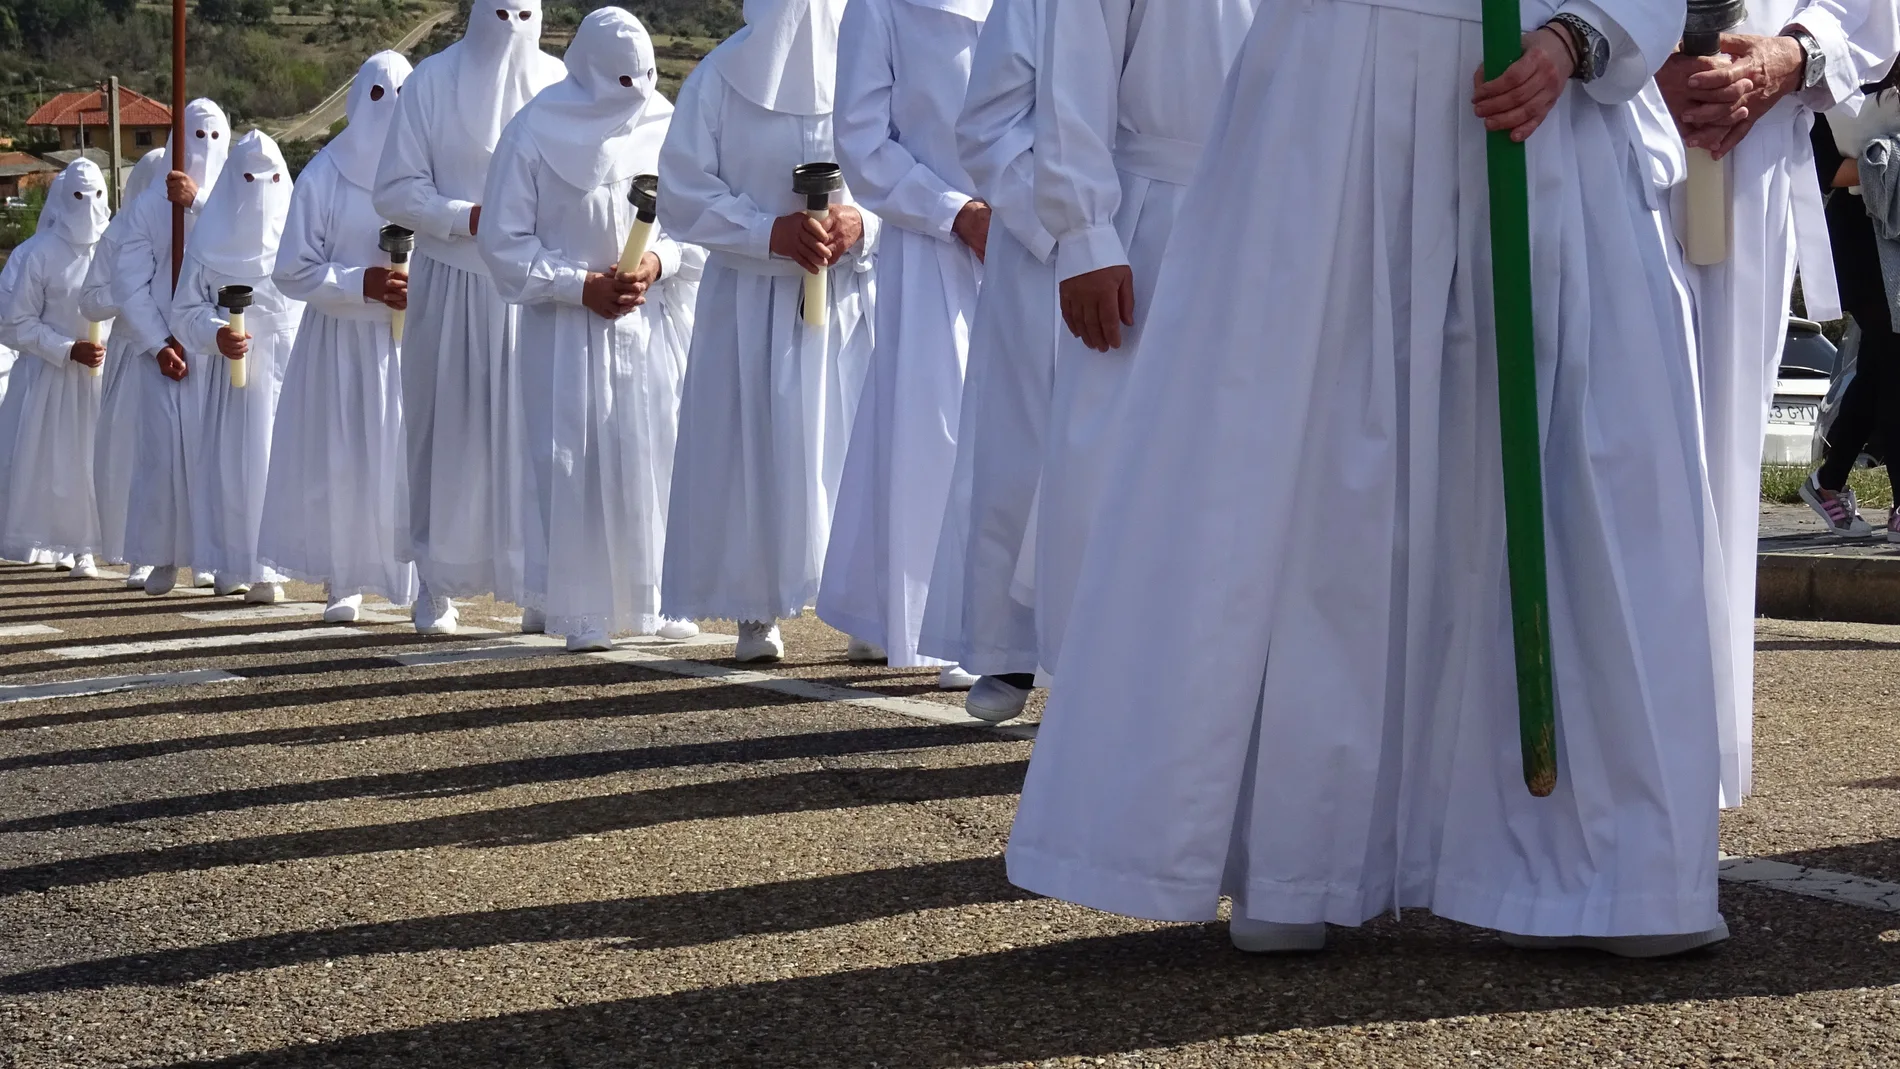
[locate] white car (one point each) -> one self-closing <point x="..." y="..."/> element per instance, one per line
<point x="1807" y="369"/>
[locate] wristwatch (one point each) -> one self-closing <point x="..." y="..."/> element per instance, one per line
<point x="1813" y="60"/>
<point x="1589" y="48"/>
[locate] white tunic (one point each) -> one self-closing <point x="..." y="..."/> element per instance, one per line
<point x="336" y="500"/>
<point x="49" y="503"/>
<point x="1127" y="90"/>
<point x="158" y="518"/>
<point x="766" y="409"/>
<point x="1327" y="729"/>
<point x="901" y="84"/>
<point x="19" y="375"/>
<point x="599" y="398"/>
<point x="1741" y="312"/>
<point x="464" y="434"/>
<point x="115" y="441"/>
<point x="970" y="617"/>
<point x="230" y="453"/>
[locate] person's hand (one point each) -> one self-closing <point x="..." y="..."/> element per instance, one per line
<point x="475" y="220"/>
<point x="610" y="296"/>
<point x="234" y="346"/>
<point x="171" y="362"/>
<point x="1771" y="67"/>
<point x="384" y="286"/>
<point x="180" y="189"/>
<point x="846" y="228"/>
<point x="1098" y="304"/>
<point x="1519" y="99"/>
<point x="85" y="352"/>
<point x="804" y="240"/>
<point x="973" y="227"/>
<point x="646" y="274"/>
<point x="1720" y="107"/>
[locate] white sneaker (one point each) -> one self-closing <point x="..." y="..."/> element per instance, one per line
<point x="1623" y="946"/>
<point x="534" y="622"/>
<point x="434" y="615"/>
<point x="589" y="641"/>
<point x="85" y="567"/>
<point x="759" y="642"/>
<point x="678" y="630"/>
<point x="1840" y="511"/>
<point x="224" y="589"/>
<point x="135" y="579"/>
<point x="1266" y="937"/>
<point x="265" y="593"/>
<point x="953" y="677"/>
<point x="995" y="701"/>
<point x="160" y="581"/>
<point x="64" y="563"/>
<point x="203" y="579"/>
<point x="342" y="610"/>
<point x="862" y="652"/>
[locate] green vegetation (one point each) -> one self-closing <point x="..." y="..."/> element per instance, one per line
<point x="18" y="224"/>
<point x="1781" y="485"/>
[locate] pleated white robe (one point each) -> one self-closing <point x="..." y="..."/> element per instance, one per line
<point x="158" y="515"/>
<point x="1741" y="313"/>
<point x="230" y="453"/>
<point x="1127" y="91"/>
<point x="768" y="402"/>
<point x="336" y="496"/>
<point x="1327" y="728"/>
<point x="902" y="77"/>
<point x="115" y="438"/>
<point x="970" y="617"/>
<point x="459" y="376"/>
<point x="599" y="398"/>
<point x="49" y="501"/>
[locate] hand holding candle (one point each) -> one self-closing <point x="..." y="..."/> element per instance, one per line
<point x="398" y="242"/>
<point x="235" y="299"/>
<point x="96" y="335"/>
<point x="1705" y="228"/>
<point x="816" y="182"/>
<point x="644" y="195"/>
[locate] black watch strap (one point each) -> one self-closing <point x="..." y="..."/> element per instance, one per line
<point x="1589" y="48"/>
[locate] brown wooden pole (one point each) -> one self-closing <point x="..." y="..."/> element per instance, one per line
<point x="178" y="133"/>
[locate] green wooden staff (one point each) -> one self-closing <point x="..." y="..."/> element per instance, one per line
<point x="1517" y="422"/>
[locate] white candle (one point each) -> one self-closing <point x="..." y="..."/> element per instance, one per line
<point x="240" y="375"/>
<point x="397" y="315"/>
<point x="1705" y="229"/>
<point x="817" y="296"/>
<point x="95" y="333"/>
<point x="635" y="249"/>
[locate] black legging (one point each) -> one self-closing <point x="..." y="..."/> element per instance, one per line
<point x="1871" y="402"/>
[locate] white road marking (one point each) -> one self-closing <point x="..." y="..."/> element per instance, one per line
<point x="1812" y="883"/>
<point x="77" y="688"/>
<point x="282" y="611"/>
<point x="14" y="630"/>
<point x="204" y="642"/>
<point x="518" y="646"/>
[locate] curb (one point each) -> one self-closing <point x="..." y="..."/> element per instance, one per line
<point x="1805" y="586"/>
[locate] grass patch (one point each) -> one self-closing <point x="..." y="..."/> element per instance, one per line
<point x="1781" y="485"/>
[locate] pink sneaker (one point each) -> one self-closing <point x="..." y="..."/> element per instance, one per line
<point x="1839" y="510"/>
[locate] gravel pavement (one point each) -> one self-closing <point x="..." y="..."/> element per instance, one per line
<point x="331" y="846"/>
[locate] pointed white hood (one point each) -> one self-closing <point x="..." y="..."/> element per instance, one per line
<point x="238" y="231"/>
<point x="371" y="105"/>
<point x="207" y="143"/>
<point x="150" y="168"/>
<point x="76" y="208"/>
<point x="496" y="65"/>
<point x="786" y="57"/>
<point x="606" y="120"/>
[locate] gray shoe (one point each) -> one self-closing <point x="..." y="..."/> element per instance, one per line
<point x="1623" y="946"/>
<point x="995" y="701"/>
<point x="1267" y="937"/>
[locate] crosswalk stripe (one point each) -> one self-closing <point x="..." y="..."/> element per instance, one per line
<point x="256" y="612"/>
<point x="15" y="630"/>
<point x="204" y="642"/>
<point x="79" y="688"/>
<point x="518" y="646"/>
<point x="1811" y="883"/>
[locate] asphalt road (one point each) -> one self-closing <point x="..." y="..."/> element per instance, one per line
<point x="311" y="846"/>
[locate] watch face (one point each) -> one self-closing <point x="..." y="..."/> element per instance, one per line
<point x="1599" y="56"/>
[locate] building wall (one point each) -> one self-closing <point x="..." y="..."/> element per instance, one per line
<point x="134" y="141"/>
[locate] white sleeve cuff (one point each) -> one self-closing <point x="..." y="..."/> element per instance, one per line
<point x="1089" y="250"/>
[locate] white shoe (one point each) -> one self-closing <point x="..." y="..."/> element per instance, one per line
<point x="1266" y="937"/>
<point x="862" y="652"/>
<point x="85" y="567"/>
<point x="342" y="610"/>
<point x="160" y="581"/>
<point x="265" y="593"/>
<point x="534" y="622"/>
<point x="759" y="642"/>
<point x="203" y="579"/>
<point x="590" y="641"/>
<point x="678" y="630"/>
<point x="953" y="677"/>
<point x="225" y="590"/>
<point x="135" y="579"/>
<point x="434" y="615"/>
<point x="995" y="701"/>
<point x="1623" y="946"/>
<point x="64" y="563"/>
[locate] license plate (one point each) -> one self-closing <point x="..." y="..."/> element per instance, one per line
<point x="1781" y="413"/>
